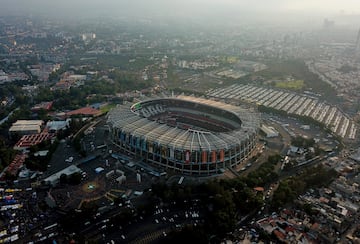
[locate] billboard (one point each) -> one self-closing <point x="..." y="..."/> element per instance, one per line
<point x="213" y="156"/>
<point x="204" y="157"/>
<point x="187" y="156"/>
<point x="222" y="155"/>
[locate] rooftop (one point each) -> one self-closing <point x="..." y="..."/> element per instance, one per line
<point x="67" y="171"/>
<point x="85" y="111"/>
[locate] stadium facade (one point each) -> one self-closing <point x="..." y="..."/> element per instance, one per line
<point x="186" y="134"/>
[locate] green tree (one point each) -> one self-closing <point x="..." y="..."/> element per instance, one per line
<point x="74" y="179"/>
<point x="63" y="179"/>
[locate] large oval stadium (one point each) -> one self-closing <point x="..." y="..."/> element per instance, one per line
<point x="185" y="134"/>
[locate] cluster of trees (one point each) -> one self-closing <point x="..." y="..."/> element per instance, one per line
<point x="109" y="61"/>
<point x="73" y="179"/>
<point x="222" y="200"/>
<point x="41" y="162"/>
<point x="290" y="188"/>
<point x="6" y="154"/>
<point x="219" y="201"/>
<point x="12" y="90"/>
<point x="92" y="91"/>
<point x="265" y="173"/>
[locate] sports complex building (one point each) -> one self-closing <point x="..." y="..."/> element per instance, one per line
<point x="185" y="134"/>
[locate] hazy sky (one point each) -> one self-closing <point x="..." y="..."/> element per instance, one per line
<point x="205" y="9"/>
<point x="279" y="5"/>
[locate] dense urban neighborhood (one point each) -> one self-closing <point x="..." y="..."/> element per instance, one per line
<point x="140" y="131"/>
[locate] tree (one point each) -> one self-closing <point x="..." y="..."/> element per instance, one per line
<point x="63" y="179"/>
<point x="74" y="179"/>
<point x="6" y="156"/>
<point x="221" y="220"/>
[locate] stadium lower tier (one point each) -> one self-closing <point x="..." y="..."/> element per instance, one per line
<point x="190" y="162"/>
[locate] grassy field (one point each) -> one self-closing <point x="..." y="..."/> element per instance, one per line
<point x="107" y="108"/>
<point x="292" y="85"/>
<point x="298" y="70"/>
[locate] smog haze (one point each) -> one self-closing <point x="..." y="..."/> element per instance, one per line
<point x="278" y="12"/>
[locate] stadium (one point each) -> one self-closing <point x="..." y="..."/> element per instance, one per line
<point x="190" y="135"/>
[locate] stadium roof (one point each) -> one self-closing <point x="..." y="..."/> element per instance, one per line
<point x="186" y="139"/>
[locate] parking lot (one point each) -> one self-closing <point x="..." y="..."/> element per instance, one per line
<point x="104" y="177"/>
<point x="292" y="103"/>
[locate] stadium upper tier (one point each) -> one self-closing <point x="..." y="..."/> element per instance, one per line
<point x="186" y="123"/>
